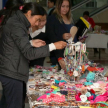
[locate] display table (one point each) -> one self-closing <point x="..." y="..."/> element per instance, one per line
<point x="97" y="41"/>
<point x="47" y="88"/>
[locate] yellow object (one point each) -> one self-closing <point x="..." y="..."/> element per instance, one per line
<point x="54" y="87"/>
<point x="85" y="22"/>
<point x="85" y="107"/>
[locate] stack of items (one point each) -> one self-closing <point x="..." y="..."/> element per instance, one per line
<point x="48" y="88"/>
<point x="75" y="58"/>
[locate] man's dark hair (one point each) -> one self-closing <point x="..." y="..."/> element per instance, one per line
<point x="86" y="13"/>
<point x="54" y="1"/>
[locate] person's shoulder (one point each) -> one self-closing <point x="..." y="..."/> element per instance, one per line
<point x="51" y="16"/>
<point x="91" y="19"/>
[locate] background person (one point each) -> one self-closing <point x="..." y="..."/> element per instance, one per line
<point x="59" y="24"/>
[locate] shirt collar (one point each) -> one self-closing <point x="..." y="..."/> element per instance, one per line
<point x="37" y="32"/>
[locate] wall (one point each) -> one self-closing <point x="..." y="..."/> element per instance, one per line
<point x="0" y="4"/>
<point x="101" y="17"/>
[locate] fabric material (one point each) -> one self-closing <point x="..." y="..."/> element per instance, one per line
<point x="96" y="41"/>
<point x="15" y="48"/>
<point x="13" y="91"/>
<point x="43" y="36"/>
<point x="50" y="11"/>
<point x="37" y="32"/>
<point x="56" y="29"/>
<point x="52" y="47"/>
<point x="91" y="21"/>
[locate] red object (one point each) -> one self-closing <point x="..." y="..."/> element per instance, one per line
<point x="91" y="21"/>
<point x="90" y="98"/>
<point x="1" y="18"/>
<point x="92" y="69"/>
<point x="59" y="58"/>
<point x="79" y="94"/>
<point x="92" y="91"/>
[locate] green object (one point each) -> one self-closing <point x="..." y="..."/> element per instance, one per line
<point x="66" y="52"/>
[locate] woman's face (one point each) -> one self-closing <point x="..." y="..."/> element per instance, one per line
<point x="65" y="7"/>
<point x="42" y="22"/>
<point x="34" y="20"/>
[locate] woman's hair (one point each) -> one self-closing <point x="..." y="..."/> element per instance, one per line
<point x="58" y="9"/>
<point x="35" y="8"/>
<point x="11" y="4"/>
<point x="10" y="7"/>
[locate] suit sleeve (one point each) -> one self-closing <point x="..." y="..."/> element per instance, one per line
<point x="21" y="39"/>
<point x="51" y="35"/>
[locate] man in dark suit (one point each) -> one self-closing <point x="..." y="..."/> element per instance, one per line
<point x="51" y="6"/>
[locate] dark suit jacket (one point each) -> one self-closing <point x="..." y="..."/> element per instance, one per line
<point x="39" y="61"/>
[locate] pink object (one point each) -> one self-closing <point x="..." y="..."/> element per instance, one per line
<point x="90" y="98"/>
<point x="77" y="98"/>
<point x="61" y="83"/>
<point x="55" y="98"/>
<point x="101" y="98"/>
<point x="21" y="7"/>
<point x="50" y="91"/>
<point x="78" y="85"/>
<point x="42" y="97"/>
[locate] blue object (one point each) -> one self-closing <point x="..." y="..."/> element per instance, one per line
<point x="90" y="76"/>
<point x="48" y="94"/>
<point x="88" y="83"/>
<point x="57" y="81"/>
<point x="54" y="92"/>
<point x="88" y="94"/>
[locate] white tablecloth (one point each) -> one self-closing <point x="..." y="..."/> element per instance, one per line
<point x="97" y="41"/>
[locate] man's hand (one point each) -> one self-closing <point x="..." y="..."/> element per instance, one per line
<point x="62" y="64"/>
<point x="38" y="43"/>
<point x="66" y="36"/>
<point x="60" y="44"/>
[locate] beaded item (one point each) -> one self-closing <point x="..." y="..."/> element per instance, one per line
<point x="75" y="58"/>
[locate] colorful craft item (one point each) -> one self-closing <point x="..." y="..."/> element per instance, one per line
<point x="83" y="68"/>
<point x="88" y="83"/>
<point x="75" y="73"/>
<point x="77" y="97"/>
<point x="70" y="73"/>
<point x="92" y="91"/>
<point x="90" y="76"/>
<point x="92" y="69"/>
<point x="90" y="98"/>
<point x="88" y="94"/>
<point x="42" y="97"/>
<point x="62" y="81"/>
<point x="55" y="98"/>
<point x="54" y="87"/>
<point x="78" y="85"/>
<point x="83" y="98"/>
<point x="101" y="98"/>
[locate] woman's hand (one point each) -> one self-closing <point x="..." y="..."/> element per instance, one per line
<point x="60" y="44"/>
<point x="66" y="36"/>
<point x="62" y="64"/>
<point x="38" y="43"/>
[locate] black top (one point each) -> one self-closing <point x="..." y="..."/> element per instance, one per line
<point x="39" y="61"/>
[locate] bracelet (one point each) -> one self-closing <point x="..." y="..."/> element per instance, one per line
<point x="59" y="58"/>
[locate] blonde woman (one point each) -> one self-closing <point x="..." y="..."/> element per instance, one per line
<point x="59" y="24"/>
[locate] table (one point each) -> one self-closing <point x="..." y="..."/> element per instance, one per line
<point x="97" y="41"/>
<point x="41" y="81"/>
